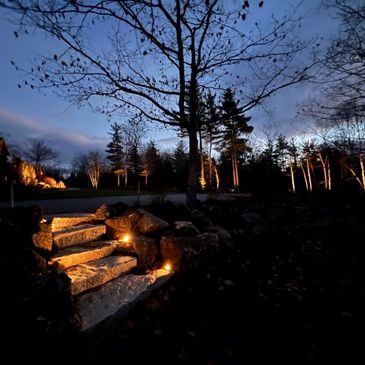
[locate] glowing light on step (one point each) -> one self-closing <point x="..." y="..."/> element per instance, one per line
<point x="167" y="266"/>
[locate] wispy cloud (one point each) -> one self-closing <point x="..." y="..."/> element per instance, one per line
<point x="66" y="142"/>
<point x="168" y="141"/>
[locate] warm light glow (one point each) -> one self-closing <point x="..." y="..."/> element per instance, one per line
<point x="167" y="267"/>
<point x="126" y="238"/>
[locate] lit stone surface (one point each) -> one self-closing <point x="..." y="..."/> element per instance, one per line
<point x="68" y="220"/>
<point x="74" y="235"/>
<point x="98" y="272"/>
<point x="43" y="239"/>
<point x="116" y="296"/>
<point x="85" y="252"/>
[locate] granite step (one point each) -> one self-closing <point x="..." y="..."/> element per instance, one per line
<point x="83" y="253"/>
<point x="62" y="221"/>
<point x="98" y="272"/>
<point x="72" y="236"/>
<point x="116" y="297"/>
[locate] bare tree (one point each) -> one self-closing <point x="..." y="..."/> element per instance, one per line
<point x="38" y="152"/>
<point x="159" y="52"/>
<point x="341" y="73"/>
<point x="95" y="166"/>
<point x="134" y="130"/>
<point x="90" y="164"/>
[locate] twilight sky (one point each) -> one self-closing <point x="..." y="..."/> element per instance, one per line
<point x="28" y="113"/>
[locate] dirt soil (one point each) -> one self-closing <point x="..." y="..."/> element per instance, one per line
<point x="289" y="289"/>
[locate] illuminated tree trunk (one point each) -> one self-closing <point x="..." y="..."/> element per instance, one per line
<point x="362" y="172"/>
<point x="329" y="175"/>
<point x="292" y="178"/>
<point x="309" y="176"/>
<point x="234" y="166"/>
<point x="217" y="180"/>
<point x="361" y="179"/>
<point x="324" y="164"/>
<point x="203" y="183"/>
<point x="305" y="177"/>
<point x="210" y="163"/>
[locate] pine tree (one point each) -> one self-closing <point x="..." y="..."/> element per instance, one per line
<point x="211" y="130"/>
<point x="235" y="125"/>
<point x="180" y="165"/>
<point x="115" y="150"/>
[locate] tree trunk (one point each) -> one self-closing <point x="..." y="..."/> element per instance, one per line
<point x="362" y="172"/>
<point x="210" y="163"/>
<point x="234" y="166"/>
<point x="217" y="180"/>
<point x="309" y="176"/>
<point x="202" y="170"/>
<point x="324" y="168"/>
<point x="292" y="178"/>
<point x="305" y="177"/>
<point x="192" y="178"/>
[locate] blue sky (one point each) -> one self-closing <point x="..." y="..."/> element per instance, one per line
<point x="28" y="113"/>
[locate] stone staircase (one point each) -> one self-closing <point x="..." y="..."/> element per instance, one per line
<point x="102" y="279"/>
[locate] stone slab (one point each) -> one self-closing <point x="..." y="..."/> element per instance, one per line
<point x="63" y="221"/>
<point x="98" y="272"/>
<point x="116" y="296"/>
<point x="83" y="253"/>
<point x="72" y="236"/>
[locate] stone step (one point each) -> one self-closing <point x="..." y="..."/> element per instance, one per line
<point x="117" y="296"/>
<point x="98" y="272"/>
<point x="62" y="221"/>
<point x="72" y="236"/>
<point x="82" y="253"/>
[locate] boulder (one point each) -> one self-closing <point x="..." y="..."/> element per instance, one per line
<point x="137" y="222"/>
<point x="43" y="238"/>
<point x="185" y="228"/>
<point x="106" y="211"/>
<point x="172" y="251"/>
<point x="176" y="250"/>
<point x="118" y="227"/>
<point x="148" y="223"/>
<point x="200" y="220"/>
<point x="146" y="250"/>
<point x="208" y="241"/>
<point x="224" y="236"/>
<point x="256" y="221"/>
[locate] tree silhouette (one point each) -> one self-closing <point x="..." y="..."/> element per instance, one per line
<point x="115" y="150"/>
<point x="38" y="151"/>
<point x="114" y="147"/>
<point x="149" y="51"/>
<point x="235" y="126"/>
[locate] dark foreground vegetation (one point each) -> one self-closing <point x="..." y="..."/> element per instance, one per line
<point x="287" y="288"/>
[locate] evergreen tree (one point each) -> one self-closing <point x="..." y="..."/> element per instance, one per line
<point x="235" y="125"/>
<point x="180" y="165"/>
<point x="211" y="131"/>
<point x="114" y="148"/>
<point x="151" y="157"/>
<point x="133" y="133"/>
<point x="115" y="151"/>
